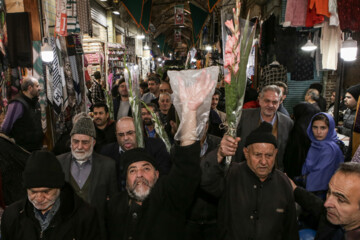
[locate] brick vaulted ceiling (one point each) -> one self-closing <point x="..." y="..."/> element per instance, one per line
<point x="162" y="19"/>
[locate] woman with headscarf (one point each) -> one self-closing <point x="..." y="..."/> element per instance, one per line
<point x="324" y="155"/>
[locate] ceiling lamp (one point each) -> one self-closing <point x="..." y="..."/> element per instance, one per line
<point x="141" y="36"/>
<point x="47" y="54"/>
<point x="146" y="47"/>
<point x="208" y="48"/>
<point x="159" y="59"/>
<point x="348" y="50"/>
<point x="309" y="46"/>
<point x="116" y="12"/>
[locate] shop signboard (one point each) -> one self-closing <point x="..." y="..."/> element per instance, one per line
<point x="179" y="14"/>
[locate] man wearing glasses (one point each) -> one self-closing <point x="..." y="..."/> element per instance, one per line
<point x="92" y="176"/>
<point x="126" y="140"/>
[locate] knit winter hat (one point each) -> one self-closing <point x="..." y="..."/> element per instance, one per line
<point x="262" y="134"/>
<point x="84" y="125"/>
<point x="136" y="155"/>
<point x="354" y="91"/>
<point x="43" y="170"/>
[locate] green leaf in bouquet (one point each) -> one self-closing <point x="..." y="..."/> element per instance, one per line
<point x="135" y="108"/>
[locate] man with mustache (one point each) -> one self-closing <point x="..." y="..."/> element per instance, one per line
<point x="153" y="207"/>
<point x="339" y="216"/>
<point x="149" y="128"/>
<point x="93" y="176"/>
<point x="256" y="201"/>
<point x="51" y="210"/>
<point x="269" y="100"/>
<point x="104" y="126"/>
<point x="126" y="140"/>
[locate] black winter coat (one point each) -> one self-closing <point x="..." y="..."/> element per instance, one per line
<point x="163" y="212"/>
<point x="75" y="219"/>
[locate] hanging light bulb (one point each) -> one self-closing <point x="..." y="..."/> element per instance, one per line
<point x="309" y="46"/>
<point x="47" y="54"/>
<point x="146" y="47"/>
<point x="348" y="50"/>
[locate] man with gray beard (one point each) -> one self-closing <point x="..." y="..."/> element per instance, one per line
<point x="154" y="208"/>
<point x="93" y="176"/>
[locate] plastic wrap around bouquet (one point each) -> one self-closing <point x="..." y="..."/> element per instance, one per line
<point x="188" y="78"/>
<point x="131" y="75"/>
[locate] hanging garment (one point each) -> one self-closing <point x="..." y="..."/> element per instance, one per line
<point x="61" y="18"/>
<point x="321" y="6"/>
<point x="285" y="47"/>
<point x="75" y="75"/>
<point x="295" y="15"/>
<point x="304" y="63"/>
<point x="84" y="16"/>
<point x="55" y="71"/>
<point x="71" y="99"/>
<point x="330" y="44"/>
<point x="273" y="73"/>
<point x="334" y="18"/>
<point x="73" y="25"/>
<point x="267" y="41"/>
<point x="38" y="74"/>
<point x="316" y="54"/>
<point x="19" y="41"/>
<point x="349" y="14"/>
<point x="312" y="18"/>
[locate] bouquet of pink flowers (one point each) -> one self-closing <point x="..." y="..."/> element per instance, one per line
<point x="237" y="50"/>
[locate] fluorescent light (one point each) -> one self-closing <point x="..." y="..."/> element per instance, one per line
<point x="348" y="50"/>
<point x="142" y="36"/>
<point x="309" y="46"/>
<point x="47" y="54"/>
<point x="208" y="48"/>
<point x="116" y="12"/>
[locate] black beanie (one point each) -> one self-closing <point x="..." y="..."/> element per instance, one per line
<point x="354" y="91"/>
<point x="137" y="155"/>
<point x="43" y="170"/>
<point x="262" y="134"/>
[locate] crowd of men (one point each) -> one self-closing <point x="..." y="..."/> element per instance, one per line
<point x="106" y="187"/>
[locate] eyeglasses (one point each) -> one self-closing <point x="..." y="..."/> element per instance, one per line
<point x="128" y="133"/>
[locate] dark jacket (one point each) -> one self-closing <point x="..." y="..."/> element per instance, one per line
<point x="105" y="136"/>
<point x="315" y="205"/>
<point x="27" y="130"/>
<point x="75" y="219"/>
<point x="154" y="146"/>
<point x="116" y="105"/>
<point x="204" y="206"/>
<point x="248" y="207"/>
<point x="163" y="211"/>
<point x="250" y="120"/>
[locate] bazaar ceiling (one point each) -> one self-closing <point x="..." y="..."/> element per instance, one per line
<point x="157" y="18"/>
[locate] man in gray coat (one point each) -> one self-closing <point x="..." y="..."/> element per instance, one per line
<point x="93" y="176"/>
<point x="269" y="100"/>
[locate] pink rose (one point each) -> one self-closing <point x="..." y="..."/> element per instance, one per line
<point x="228" y="78"/>
<point x="230" y="25"/>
